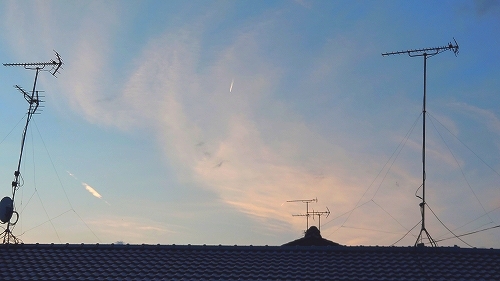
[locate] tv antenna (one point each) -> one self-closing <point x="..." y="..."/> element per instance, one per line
<point x="425" y="53"/>
<point x="7" y="204"/>
<point x="319" y="214"/>
<point x="308" y="213"/>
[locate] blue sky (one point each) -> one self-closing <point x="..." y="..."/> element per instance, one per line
<point x="193" y="122"/>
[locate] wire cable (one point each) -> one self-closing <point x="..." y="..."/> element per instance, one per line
<point x="62" y="186"/>
<point x="49" y="220"/>
<point x="472" y="151"/>
<point x="418" y="223"/>
<point x="341" y="215"/>
<point x="8" y="134"/>
<point x="394" y="155"/>
<point x="389" y="215"/>
<point x="459" y="166"/>
<point x="38" y="193"/>
<point x="400" y="147"/>
<point x="371" y="229"/>
<point x="468" y="233"/>
<point x="448" y="228"/>
<point x="478" y="218"/>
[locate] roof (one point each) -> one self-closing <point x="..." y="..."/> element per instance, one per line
<point x="187" y="262"/>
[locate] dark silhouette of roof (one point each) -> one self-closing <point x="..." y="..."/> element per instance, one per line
<point x="173" y="262"/>
<point x="312" y="238"/>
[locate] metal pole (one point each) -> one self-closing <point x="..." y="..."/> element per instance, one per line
<point x="307" y="216"/>
<point x="31" y="110"/>
<point x="423" y="142"/>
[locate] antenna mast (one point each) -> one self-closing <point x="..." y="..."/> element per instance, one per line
<point x="7" y="206"/>
<point x="425" y="53"/>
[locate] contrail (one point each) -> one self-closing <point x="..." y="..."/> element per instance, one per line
<point x="73" y="176"/>
<point x="92" y="190"/>
<point x="89" y="188"/>
<point x="231" y="87"/>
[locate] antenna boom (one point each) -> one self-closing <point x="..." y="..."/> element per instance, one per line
<point x="427" y="51"/>
<point x="55" y="64"/>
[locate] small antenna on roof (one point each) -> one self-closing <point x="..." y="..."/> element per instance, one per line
<point x="7" y="204"/>
<point x="319" y="214"/>
<point x="308" y="213"/>
<point x="425" y="53"/>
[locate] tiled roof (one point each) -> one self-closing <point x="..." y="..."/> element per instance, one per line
<point x="172" y="262"/>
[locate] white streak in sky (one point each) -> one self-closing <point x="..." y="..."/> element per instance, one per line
<point x="73" y="176"/>
<point x="92" y="190"/>
<point x="89" y="188"/>
<point x="231" y="87"/>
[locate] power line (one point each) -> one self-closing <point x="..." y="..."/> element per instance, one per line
<point x="460" y="167"/>
<point x="469" y="233"/>
<point x="447" y="227"/>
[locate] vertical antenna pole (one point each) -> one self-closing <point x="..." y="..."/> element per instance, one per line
<point x="426" y="53"/>
<point x="420" y="238"/>
<point x="424" y="113"/>
<point x="33" y="104"/>
<point x="307" y="215"/>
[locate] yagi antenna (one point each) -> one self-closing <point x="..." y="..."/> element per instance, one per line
<point x="308" y="214"/>
<point x="52" y="66"/>
<point x="34" y="100"/>
<point x="319" y="214"/>
<point x="425" y="53"/>
<point x="7" y="204"/>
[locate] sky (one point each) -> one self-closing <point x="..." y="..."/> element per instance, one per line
<point x="194" y="122"/>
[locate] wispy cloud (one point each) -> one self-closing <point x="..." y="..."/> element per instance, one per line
<point x="269" y="153"/>
<point x="127" y="228"/>
<point x="265" y="161"/>
<point x="484" y="115"/>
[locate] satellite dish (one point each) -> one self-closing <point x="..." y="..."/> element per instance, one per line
<point x="6" y="209"/>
